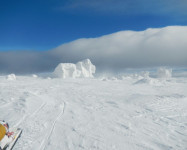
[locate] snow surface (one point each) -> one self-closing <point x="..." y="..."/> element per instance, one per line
<point x="97" y="114"/>
<point x="83" y="69"/>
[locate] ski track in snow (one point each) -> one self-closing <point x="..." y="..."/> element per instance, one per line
<point x="44" y="143"/>
<point x="36" y="121"/>
<point x="92" y="114"/>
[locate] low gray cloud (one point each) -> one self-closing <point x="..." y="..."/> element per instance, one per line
<point x="23" y="62"/>
<point x="125" y="49"/>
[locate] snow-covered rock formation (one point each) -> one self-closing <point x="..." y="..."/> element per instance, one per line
<point x="82" y="69"/>
<point x="11" y="77"/>
<point x="164" y="73"/>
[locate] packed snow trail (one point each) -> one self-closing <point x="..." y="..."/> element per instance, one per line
<point x="90" y="114"/>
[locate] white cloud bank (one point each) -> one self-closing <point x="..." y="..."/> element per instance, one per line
<point x="125" y="49"/>
<point x="152" y="47"/>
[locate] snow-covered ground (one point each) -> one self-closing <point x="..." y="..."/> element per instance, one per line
<point x="96" y="114"/>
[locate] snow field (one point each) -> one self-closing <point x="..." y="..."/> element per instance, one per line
<point x="93" y="114"/>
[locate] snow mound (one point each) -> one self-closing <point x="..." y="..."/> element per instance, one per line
<point x="145" y="74"/>
<point x="11" y="77"/>
<point x="126" y="78"/>
<point x="148" y="80"/>
<point x="109" y="79"/>
<point x="164" y="73"/>
<point x="82" y="69"/>
<point x="112" y="78"/>
<point x="34" y="76"/>
<point x="104" y="79"/>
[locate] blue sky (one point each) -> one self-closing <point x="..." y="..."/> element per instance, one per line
<point x="45" y="24"/>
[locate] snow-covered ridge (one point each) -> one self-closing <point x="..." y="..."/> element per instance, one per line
<point x="82" y="69"/>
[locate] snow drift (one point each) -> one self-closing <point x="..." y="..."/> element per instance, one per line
<point x="82" y="69"/>
<point x="149" y="81"/>
<point x="11" y="77"/>
<point x="34" y="76"/>
<point x="164" y="73"/>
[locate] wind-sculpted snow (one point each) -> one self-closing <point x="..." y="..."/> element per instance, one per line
<point x="82" y="69"/>
<point x="164" y="73"/>
<point x="93" y="114"/>
<point x="148" y="80"/>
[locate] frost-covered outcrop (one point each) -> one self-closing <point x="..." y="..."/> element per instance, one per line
<point x="164" y="73"/>
<point x="82" y="69"/>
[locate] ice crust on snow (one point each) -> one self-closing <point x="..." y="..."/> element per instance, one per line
<point x="164" y="73"/>
<point x="11" y="77"/>
<point x="82" y="69"/>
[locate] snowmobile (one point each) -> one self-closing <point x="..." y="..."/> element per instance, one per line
<point x="11" y="136"/>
